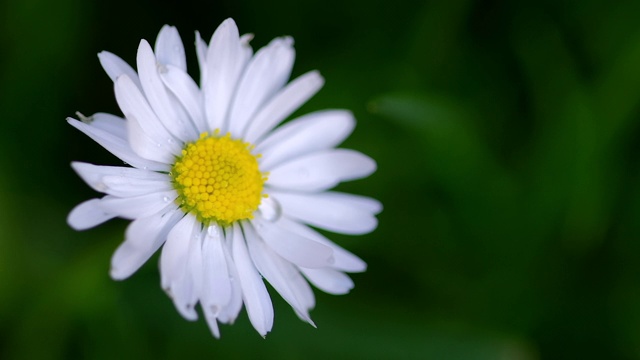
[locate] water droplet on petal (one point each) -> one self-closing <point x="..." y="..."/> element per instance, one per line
<point x="213" y="231"/>
<point x="270" y="209"/>
<point x="162" y="69"/>
<point x="166" y="199"/>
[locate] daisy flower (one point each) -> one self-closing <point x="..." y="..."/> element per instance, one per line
<point x="213" y="176"/>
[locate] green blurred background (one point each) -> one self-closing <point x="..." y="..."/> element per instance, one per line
<point x="506" y="138"/>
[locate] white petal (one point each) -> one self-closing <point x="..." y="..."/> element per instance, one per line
<point x="254" y="293"/>
<point x="344" y="260"/>
<point x="138" y="206"/>
<point x="110" y="123"/>
<point x="293" y="247"/>
<point x="247" y="51"/>
<point x="122" y="181"/>
<point x="280" y="274"/>
<point x="176" y="265"/>
<point x="338" y="213"/>
<point x="147" y="146"/>
<point x="169" y="48"/>
<point x="175" y="252"/>
<point x="117" y="146"/>
<point x="229" y="314"/>
<point x="87" y="215"/>
<point x="147" y="135"/>
<point x="188" y="93"/>
<point x="216" y="293"/>
<point x="201" y="53"/>
<point x="212" y="322"/>
<point x="166" y="107"/>
<point x="329" y="280"/>
<point x="143" y="237"/>
<point x="313" y="132"/>
<point x="364" y="203"/>
<point x="285" y="102"/>
<point x="303" y="291"/>
<point x="114" y="66"/>
<point x="265" y="74"/>
<point x="321" y="170"/>
<point x="230" y="311"/>
<point x="225" y="62"/>
<point x="126" y="186"/>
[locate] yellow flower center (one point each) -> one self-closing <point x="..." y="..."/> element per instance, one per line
<point x="218" y="179"/>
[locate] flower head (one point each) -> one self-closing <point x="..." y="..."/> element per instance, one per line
<point x="229" y="193"/>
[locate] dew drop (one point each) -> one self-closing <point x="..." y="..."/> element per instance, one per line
<point x="162" y="69"/>
<point x="101" y="187"/>
<point x="170" y="140"/>
<point x="270" y="209"/>
<point x="214" y="231"/>
<point x="166" y="199"/>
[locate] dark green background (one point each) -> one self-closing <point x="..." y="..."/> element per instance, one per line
<point x="506" y="139"/>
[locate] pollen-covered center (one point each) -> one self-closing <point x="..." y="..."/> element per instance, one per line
<point x="218" y="179"/>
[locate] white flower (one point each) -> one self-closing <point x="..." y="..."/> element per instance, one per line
<point x="228" y="194"/>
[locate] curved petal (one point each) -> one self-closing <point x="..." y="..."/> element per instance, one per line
<point x="265" y="74"/>
<point x="280" y="274"/>
<point x="229" y="314"/>
<point x="137" y="206"/>
<point x="177" y="262"/>
<point x="216" y="293"/>
<point x="122" y="181"/>
<point x="188" y="93"/>
<point x="321" y="170"/>
<point x="341" y="213"/>
<point x="212" y="322"/>
<point x="169" y="48"/>
<point x="343" y="259"/>
<point x="117" y="146"/>
<point x="225" y="62"/>
<point x="254" y="293"/>
<point x="307" y="134"/>
<point x="201" y="54"/>
<point x="329" y="280"/>
<point x="165" y="106"/>
<point x="143" y="238"/>
<point x="295" y="248"/>
<point x="110" y="123"/>
<point x="364" y="203"/>
<point x="146" y="134"/>
<point x="247" y="51"/>
<point x="87" y="215"/>
<point x="114" y="66"/>
<point x="285" y="102"/>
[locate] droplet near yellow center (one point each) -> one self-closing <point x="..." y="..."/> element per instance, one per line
<point x="218" y="179"/>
